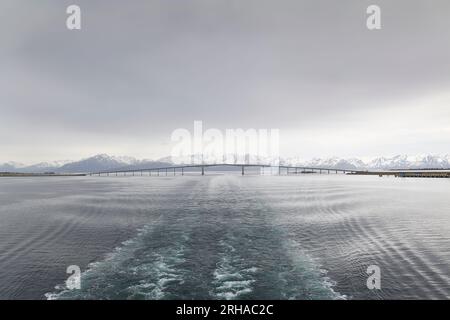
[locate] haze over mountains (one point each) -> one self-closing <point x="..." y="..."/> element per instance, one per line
<point x="102" y="162"/>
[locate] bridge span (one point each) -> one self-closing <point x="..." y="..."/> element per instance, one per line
<point x="182" y="169"/>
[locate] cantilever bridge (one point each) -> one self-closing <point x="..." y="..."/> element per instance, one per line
<point x="181" y="169"/>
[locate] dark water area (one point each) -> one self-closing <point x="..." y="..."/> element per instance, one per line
<point x="225" y="237"/>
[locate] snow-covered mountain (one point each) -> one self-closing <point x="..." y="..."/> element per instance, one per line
<point x="381" y="163"/>
<point x="96" y="163"/>
<point x="10" y="166"/>
<point x="102" y="162"/>
<point x="44" y="166"/>
<point x="411" y="162"/>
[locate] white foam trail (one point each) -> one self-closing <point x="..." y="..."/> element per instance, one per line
<point x="231" y="279"/>
<point x="131" y="271"/>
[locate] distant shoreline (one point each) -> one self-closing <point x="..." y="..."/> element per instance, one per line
<point x="20" y="174"/>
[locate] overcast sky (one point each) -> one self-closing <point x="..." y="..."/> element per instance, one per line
<point x="140" y="69"/>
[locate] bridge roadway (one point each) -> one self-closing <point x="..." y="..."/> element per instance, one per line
<point x="181" y="168"/>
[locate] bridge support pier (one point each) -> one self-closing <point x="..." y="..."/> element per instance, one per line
<point x="203" y="171"/>
<point x="173" y="171"/>
<point x="242" y="170"/>
<point x="182" y="171"/>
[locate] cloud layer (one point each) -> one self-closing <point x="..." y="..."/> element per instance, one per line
<point x="136" y="72"/>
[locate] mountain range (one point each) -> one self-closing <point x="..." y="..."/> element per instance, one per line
<point x="103" y="162"/>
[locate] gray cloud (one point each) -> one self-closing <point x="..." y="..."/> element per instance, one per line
<point x="136" y="71"/>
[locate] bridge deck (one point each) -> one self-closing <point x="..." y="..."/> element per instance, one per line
<point x="202" y="167"/>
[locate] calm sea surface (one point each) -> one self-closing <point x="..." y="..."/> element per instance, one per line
<point x="225" y="237"/>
